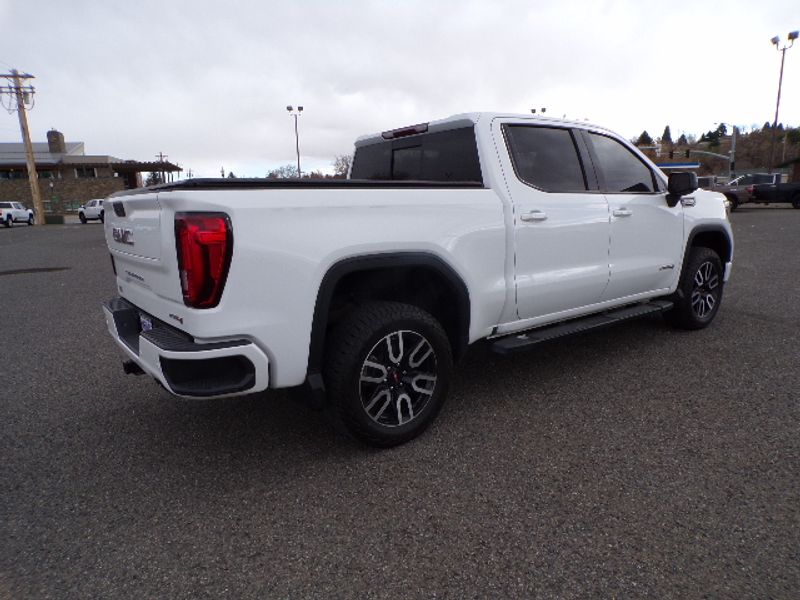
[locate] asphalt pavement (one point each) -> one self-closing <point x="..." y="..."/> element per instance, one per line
<point x="638" y="461"/>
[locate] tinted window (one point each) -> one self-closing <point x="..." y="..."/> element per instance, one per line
<point x="442" y="156"/>
<point x="546" y="157"/>
<point x="623" y="171"/>
<point x="5" y="204"/>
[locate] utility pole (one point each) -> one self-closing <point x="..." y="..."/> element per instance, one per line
<point x="23" y="93"/>
<point x="161" y="156"/>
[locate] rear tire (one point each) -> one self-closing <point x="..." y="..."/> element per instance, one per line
<point x="102" y="216"/>
<point x="734" y="202"/>
<point x="30" y="220"/>
<point x="796" y="200"/>
<point x="9" y="221"/>
<point x="387" y="369"/>
<point x="699" y="293"/>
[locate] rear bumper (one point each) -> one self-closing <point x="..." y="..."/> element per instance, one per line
<point x="184" y="367"/>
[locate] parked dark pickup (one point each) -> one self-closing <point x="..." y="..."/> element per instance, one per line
<point x="777" y="192"/>
<point x="738" y="191"/>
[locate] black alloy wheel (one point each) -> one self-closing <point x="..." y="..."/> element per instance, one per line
<point x="387" y="371"/>
<point x="699" y="293"/>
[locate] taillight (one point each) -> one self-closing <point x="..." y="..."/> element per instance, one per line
<point x="750" y="189"/>
<point x="205" y="244"/>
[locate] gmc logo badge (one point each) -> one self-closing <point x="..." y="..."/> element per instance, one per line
<point x="123" y="236"/>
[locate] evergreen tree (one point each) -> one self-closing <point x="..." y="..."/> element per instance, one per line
<point x="644" y="139"/>
<point x="666" y="137"/>
<point x="682" y="141"/>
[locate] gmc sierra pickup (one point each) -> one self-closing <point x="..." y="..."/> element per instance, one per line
<point x="365" y="291"/>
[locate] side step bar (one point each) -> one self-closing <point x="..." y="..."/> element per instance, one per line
<point x="522" y="341"/>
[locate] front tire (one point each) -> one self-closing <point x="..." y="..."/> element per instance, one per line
<point x="387" y="369"/>
<point x="30" y="220"/>
<point x="9" y="221"/>
<point x="734" y="202"/>
<point x="796" y="200"/>
<point x="82" y="217"/>
<point x="699" y="293"/>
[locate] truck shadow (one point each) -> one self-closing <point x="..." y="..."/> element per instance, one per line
<point x="276" y="428"/>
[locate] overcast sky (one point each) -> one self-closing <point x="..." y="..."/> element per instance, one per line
<point x="207" y="83"/>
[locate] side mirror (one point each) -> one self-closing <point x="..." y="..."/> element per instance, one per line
<point x="679" y="184"/>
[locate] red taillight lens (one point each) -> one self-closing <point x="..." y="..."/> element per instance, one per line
<point x="205" y="244"/>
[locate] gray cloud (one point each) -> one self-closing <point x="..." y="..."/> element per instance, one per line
<point x="207" y="82"/>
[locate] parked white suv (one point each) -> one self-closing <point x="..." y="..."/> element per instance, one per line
<point x="92" y="211"/>
<point x="14" y="212"/>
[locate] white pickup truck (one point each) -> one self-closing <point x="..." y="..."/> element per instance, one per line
<point x="14" y="212"/>
<point x="365" y="291"/>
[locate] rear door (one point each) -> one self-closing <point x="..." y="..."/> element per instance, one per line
<point x="561" y="223"/>
<point x="646" y="234"/>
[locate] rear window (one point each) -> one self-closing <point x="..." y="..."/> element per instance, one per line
<point x="546" y="157"/>
<point x="442" y="156"/>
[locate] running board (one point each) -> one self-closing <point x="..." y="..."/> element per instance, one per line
<point x="522" y="341"/>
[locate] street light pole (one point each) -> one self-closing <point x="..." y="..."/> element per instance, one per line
<point x="732" y="160"/>
<point x="295" y="114"/>
<point x="776" y="41"/>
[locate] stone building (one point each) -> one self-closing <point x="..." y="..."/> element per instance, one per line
<point x="68" y="177"/>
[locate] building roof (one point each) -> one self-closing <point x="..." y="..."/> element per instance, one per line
<point x="13" y="153"/>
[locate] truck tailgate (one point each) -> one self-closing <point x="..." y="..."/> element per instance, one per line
<point x="141" y="238"/>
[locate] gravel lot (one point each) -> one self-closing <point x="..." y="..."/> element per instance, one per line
<point x="633" y="462"/>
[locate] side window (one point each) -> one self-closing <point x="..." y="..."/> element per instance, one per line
<point x="546" y="158"/>
<point x="622" y="169"/>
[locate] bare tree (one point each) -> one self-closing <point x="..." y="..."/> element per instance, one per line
<point x="341" y="165"/>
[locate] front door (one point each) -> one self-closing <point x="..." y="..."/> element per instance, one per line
<point x="561" y="226"/>
<point x="646" y="234"/>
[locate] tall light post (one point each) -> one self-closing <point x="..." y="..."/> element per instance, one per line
<point x="776" y="41"/>
<point x="295" y="114"/>
<point x="732" y="161"/>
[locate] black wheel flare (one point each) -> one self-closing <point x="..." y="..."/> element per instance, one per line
<point x="398" y="378"/>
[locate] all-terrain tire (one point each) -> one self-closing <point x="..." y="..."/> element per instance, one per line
<point x="387" y="371"/>
<point x="699" y="293"/>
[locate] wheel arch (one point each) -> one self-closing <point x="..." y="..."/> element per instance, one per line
<point x="714" y="237"/>
<point x="355" y="276"/>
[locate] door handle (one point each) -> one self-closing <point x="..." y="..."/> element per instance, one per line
<point x="622" y="212"/>
<point x="534" y="215"/>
